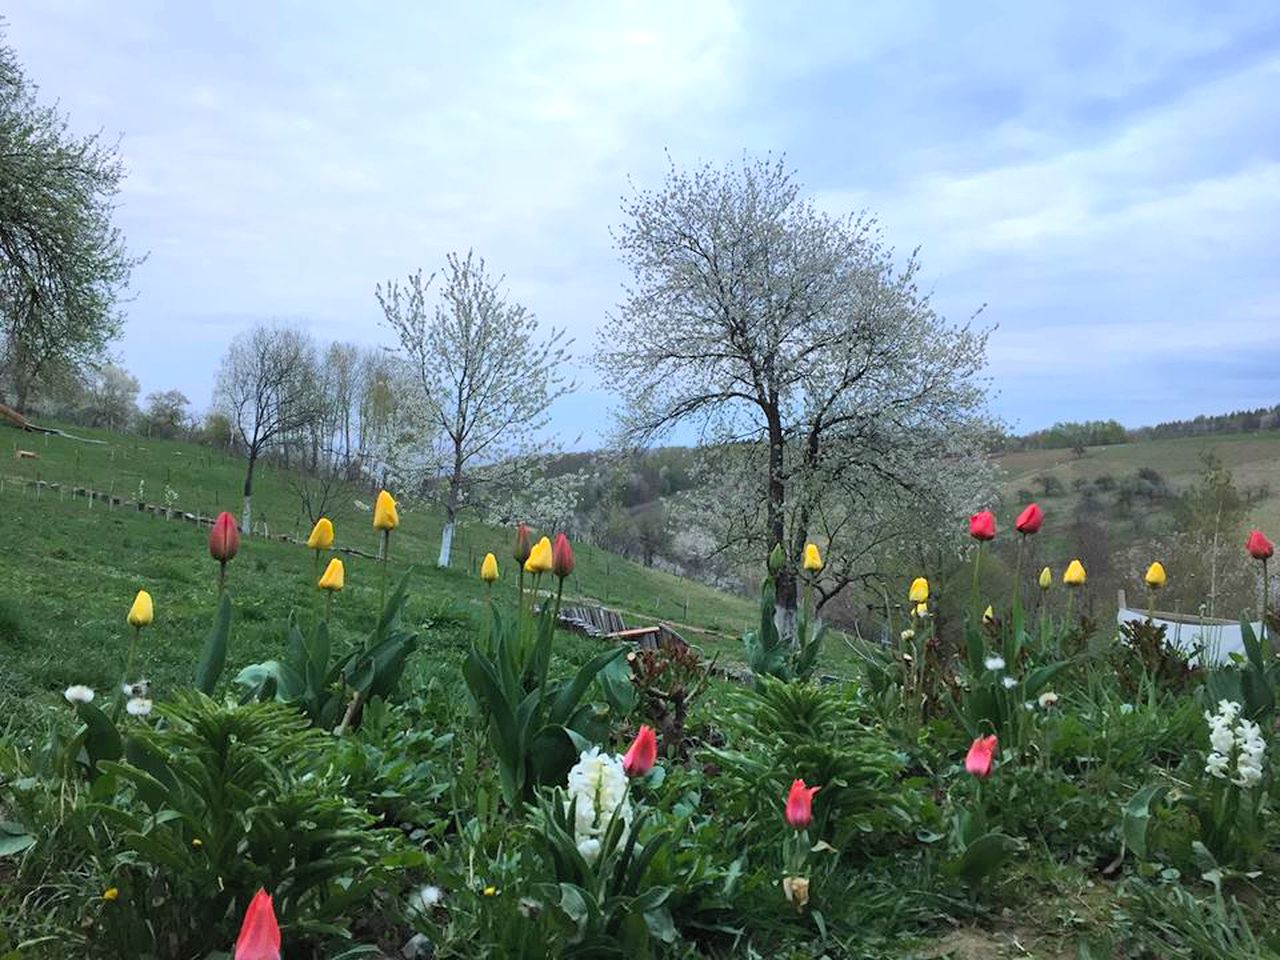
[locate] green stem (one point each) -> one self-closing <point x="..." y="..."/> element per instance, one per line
<point x="977" y="566"/>
<point x="128" y="670"/>
<point x="1017" y="573"/>
<point x="382" y="590"/>
<point x="1265" y="587"/>
<point x="328" y="604"/>
<point x="222" y="577"/>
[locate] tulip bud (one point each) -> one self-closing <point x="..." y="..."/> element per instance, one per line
<point x="142" y="612"/>
<point x="919" y="590"/>
<point x="799" y="811"/>
<point x="224" y="538"/>
<point x="1259" y="547"/>
<point x="982" y="525"/>
<point x="385" y="515"/>
<point x="561" y="556"/>
<point x="812" y="559"/>
<point x="988" y="615"/>
<point x="520" y="552"/>
<point x="642" y="754"/>
<point x="981" y="752"/>
<point x="334" y="577"/>
<point x="777" y="559"/>
<point x="1029" y="520"/>
<point x="489" y="568"/>
<point x="540" y="557"/>
<point x="321" y="535"/>
<point x="1074" y="575"/>
<point x="1156" y="577"/>
<point x="1046" y="578"/>
<point x="259" y="933"/>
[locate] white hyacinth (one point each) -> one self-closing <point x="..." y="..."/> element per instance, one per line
<point x="79" y="693"/>
<point x="994" y="663"/>
<point x="138" y="707"/>
<point x="1242" y="739"/>
<point x="598" y="784"/>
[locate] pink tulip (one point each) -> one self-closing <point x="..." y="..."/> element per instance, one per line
<point x="982" y="525"/>
<point x="978" y="762"/>
<point x="259" y="934"/>
<point x="799" y="811"/>
<point x="561" y="556"/>
<point x="642" y="754"/>
<point x="224" y="538"/>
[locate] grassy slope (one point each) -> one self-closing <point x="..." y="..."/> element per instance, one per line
<point x="69" y="571"/>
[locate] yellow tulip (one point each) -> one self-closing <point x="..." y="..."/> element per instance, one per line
<point x="1156" y="577"/>
<point x="812" y="558"/>
<point x="489" y="568"/>
<point x="334" y="576"/>
<point x="539" y="557"/>
<point x="1046" y="578"/>
<point x="385" y="516"/>
<point x="142" y="612"/>
<point x="919" y="590"/>
<point x="1074" y="575"/>
<point x="111" y="894"/>
<point x="321" y="535"/>
<point x="988" y="615"/>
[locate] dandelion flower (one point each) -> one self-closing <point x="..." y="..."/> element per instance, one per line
<point x="79" y="693"/>
<point x="1048" y="699"/>
<point x="110" y="894"/>
<point x="994" y="663"/>
<point x="1009" y="682"/>
<point x="138" y="707"/>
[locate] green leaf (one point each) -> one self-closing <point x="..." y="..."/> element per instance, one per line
<point x="1252" y="648"/>
<point x="1137" y="815"/>
<point x="566" y="701"/>
<point x="102" y="739"/>
<point x="14" y="839"/>
<point x="213" y="657"/>
<point x="985" y="855"/>
<point x="619" y="691"/>
<point x="1040" y="676"/>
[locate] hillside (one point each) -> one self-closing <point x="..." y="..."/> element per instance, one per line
<point x="70" y="568"/>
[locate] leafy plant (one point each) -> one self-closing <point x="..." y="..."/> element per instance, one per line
<point x="769" y="655"/>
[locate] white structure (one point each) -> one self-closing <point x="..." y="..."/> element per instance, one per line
<point x="1219" y="638"/>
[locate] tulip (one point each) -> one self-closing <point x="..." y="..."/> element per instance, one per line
<point x="777" y="560"/>
<point x="334" y="577"/>
<point x="799" y="812"/>
<point x="642" y="754"/>
<point x="259" y="933"/>
<point x="982" y="525"/>
<point x="322" y="535"/>
<point x="385" y="517"/>
<point x="142" y="612"/>
<point x="224" y="538"/>
<point x="489" y="568"/>
<point x="988" y="615"/>
<point x="520" y="552"/>
<point x="1259" y="547"/>
<point x="1156" y="577"/>
<point x="1046" y="578"/>
<point x="561" y="556"/>
<point x="1074" y="575"/>
<point x="1029" y="520"/>
<point x="812" y="559"/>
<point x="922" y="610"/>
<point x="919" y="590"/>
<point x="978" y="761"/>
<point x="540" y="557"/>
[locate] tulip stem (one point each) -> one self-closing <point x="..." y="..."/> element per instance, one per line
<point x="328" y="603"/>
<point x="1017" y="574"/>
<point x="222" y="577"/>
<point x="128" y="669"/>
<point x="1265" y="587"/>
<point x="382" y="589"/>
<point x="977" y="566"/>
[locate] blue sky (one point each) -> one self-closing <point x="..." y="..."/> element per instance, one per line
<point x="1104" y="177"/>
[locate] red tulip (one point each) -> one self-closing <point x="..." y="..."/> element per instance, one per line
<point x="1029" y="520"/>
<point x="561" y="556"/>
<point x="800" y="804"/>
<point x="642" y="754"/>
<point x="978" y="762"/>
<point x="224" y="538"/>
<point x="259" y="934"/>
<point x="1259" y="547"/>
<point x="522" y="546"/>
<point x="982" y="525"/>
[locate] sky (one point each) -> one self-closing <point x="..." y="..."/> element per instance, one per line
<point x="1102" y="180"/>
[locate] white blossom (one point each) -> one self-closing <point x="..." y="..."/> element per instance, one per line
<point x="1229" y="738"/>
<point x="79" y="693"/>
<point x="994" y="663"/>
<point x="138" y="707"/>
<point x="425" y="898"/>
<point x="1010" y="682"/>
<point x="1047" y="699"/>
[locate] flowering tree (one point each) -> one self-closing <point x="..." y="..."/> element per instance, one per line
<point x="486" y="374"/>
<point x="830" y="390"/>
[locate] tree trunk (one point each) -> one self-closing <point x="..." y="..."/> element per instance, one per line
<point x="451" y="510"/>
<point x="246" y="517"/>
<point x="785" y="599"/>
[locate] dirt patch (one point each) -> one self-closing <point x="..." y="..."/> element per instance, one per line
<point x="975" y="943"/>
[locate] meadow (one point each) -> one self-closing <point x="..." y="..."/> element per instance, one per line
<point x="446" y="774"/>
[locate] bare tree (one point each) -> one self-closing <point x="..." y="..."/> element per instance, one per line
<point x="486" y="373"/>
<point x="267" y="387"/>
<point x="797" y="347"/>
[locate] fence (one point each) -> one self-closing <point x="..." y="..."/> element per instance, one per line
<point x="1216" y="638"/>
